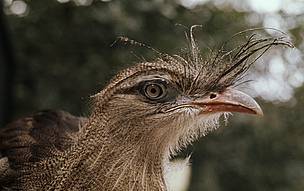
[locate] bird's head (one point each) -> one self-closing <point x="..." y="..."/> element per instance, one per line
<point x="174" y="100"/>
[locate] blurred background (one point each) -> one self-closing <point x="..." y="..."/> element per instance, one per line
<point x="54" y="54"/>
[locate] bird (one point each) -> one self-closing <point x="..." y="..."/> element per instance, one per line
<point x="138" y="122"/>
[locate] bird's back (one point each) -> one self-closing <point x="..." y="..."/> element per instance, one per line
<point x="33" y="138"/>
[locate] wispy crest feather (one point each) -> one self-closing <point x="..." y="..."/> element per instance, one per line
<point x="224" y="67"/>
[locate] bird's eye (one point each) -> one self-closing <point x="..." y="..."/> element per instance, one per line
<point x="155" y="91"/>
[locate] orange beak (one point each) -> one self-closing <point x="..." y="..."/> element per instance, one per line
<point x="228" y="101"/>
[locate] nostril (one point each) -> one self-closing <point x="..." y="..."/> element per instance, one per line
<point x="212" y="95"/>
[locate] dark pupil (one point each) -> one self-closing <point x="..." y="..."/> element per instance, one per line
<point x="153" y="91"/>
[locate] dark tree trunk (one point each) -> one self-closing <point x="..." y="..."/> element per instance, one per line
<point x="7" y="67"/>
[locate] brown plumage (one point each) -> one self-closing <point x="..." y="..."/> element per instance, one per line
<point x="145" y="114"/>
<point x="34" y="138"/>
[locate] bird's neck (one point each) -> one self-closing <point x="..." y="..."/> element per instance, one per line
<point x="109" y="160"/>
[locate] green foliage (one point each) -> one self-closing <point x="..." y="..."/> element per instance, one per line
<point x="64" y="55"/>
<point x="251" y="154"/>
